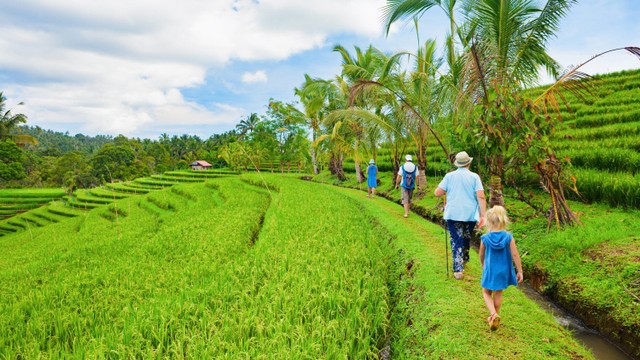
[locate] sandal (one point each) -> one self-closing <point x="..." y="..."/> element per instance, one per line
<point x="494" y="321"/>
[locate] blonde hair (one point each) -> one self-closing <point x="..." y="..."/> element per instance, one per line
<point x="497" y="218"/>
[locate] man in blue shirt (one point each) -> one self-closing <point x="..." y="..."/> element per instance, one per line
<point x="465" y="207"/>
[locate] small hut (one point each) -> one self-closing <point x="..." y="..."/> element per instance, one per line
<point x="200" y="165"/>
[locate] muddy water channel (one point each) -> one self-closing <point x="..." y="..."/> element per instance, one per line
<point x="593" y="340"/>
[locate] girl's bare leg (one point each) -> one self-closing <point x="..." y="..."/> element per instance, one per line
<point x="489" y="300"/>
<point x="497" y="300"/>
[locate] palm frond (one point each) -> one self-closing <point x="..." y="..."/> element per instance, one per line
<point x="346" y="57"/>
<point x="536" y="34"/>
<point x="360" y="87"/>
<point x="402" y="9"/>
<point x="576" y="81"/>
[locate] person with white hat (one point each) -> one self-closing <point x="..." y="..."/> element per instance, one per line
<point x="407" y="179"/>
<point x="464" y="208"/>
<point x="372" y="178"/>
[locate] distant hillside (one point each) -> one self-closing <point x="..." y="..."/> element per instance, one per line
<point x="56" y="143"/>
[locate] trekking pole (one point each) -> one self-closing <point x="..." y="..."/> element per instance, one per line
<point x="446" y="248"/>
<point x="446" y="241"/>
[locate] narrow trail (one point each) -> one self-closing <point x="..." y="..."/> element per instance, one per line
<point x="440" y="317"/>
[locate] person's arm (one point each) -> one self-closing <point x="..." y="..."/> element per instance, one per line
<point x="439" y="192"/>
<point x="398" y="179"/>
<point x="481" y="253"/>
<point x="516" y="259"/>
<point x="367" y="172"/>
<point x="482" y="203"/>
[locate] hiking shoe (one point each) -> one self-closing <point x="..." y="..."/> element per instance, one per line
<point x="458" y="275"/>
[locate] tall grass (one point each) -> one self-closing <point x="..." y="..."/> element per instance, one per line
<point x="614" y="189"/>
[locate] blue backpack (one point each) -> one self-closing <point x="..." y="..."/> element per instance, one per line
<point x="408" y="178"/>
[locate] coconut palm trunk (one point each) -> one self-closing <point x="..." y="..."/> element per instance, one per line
<point x="335" y="166"/>
<point x="314" y="159"/>
<point x="314" y="151"/>
<point x="356" y="160"/>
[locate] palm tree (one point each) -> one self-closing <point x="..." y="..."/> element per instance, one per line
<point x="362" y="66"/>
<point x="413" y="100"/>
<point x="248" y="125"/>
<point x="507" y="47"/>
<point x="314" y="94"/>
<point x="9" y="122"/>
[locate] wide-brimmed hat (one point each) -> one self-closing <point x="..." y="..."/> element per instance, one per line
<point x="462" y="159"/>
<point x="408" y="158"/>
<point x="371" y="162"/>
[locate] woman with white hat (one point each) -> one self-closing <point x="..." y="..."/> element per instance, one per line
<point x="372" y="178"/>
<point x="465" y="207"/>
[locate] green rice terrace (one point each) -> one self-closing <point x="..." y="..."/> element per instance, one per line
<point x="245" y="267"/>
<point x="216" y="264"/>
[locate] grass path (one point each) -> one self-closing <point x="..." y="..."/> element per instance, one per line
<point x="439" y="317"/>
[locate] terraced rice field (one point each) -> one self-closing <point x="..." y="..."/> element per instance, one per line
<point x="600" y="136"/>
<point x="16" y="203"/>
<point x="251" y="267"/>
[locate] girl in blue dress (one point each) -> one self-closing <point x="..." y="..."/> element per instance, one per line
<point x="372" y="178"/>
<point x="498" y="253"/>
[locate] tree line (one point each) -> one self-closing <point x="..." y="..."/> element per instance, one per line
<point x="34" y="157"/>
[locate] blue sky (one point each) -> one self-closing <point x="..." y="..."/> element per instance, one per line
<point x="146" y="67"/>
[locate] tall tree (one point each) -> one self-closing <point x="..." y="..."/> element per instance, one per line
<point x="9" y="123"/>
<point x="360" y="66"/>
<point x="315" y="94"/>
<point x="11" y="157"/>
<point x="246" y="126"/>
<point x="506" y="51"/>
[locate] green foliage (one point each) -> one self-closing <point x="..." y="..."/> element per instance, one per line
<point x="9" y="122"/>
<point x="592" y="268"/>
<point x="11" y="161"/>
<point x="53" y="143"/>
<point x="187" y="287"/>
<point x="116" y="162"/>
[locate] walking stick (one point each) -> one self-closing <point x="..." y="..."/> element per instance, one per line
<point x="446" y="248"/>
<point x="446" y="242"/>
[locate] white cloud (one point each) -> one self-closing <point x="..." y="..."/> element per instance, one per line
<point x="124" y="66"/>
<point x="256" y="77"/>
<point x="112" y="68"/>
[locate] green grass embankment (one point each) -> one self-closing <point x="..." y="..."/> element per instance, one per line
<point x="593" y="270"/>
<point x="436" y="316"/>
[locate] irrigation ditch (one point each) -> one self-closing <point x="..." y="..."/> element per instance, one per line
<point x="605" y="338"/>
